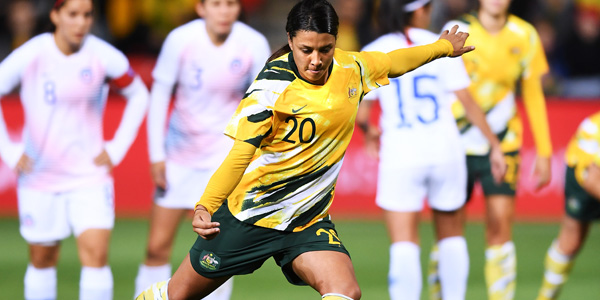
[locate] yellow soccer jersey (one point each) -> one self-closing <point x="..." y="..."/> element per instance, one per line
<point x="494" y="67"/>
<point x="302" y="131"/>
<point x="584" y="148"/>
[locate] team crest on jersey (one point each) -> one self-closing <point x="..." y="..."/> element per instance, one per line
<point x="209" y="261"/>
<point x="352" y="92"/>
<point x="236" y="65"/>
<point x="86" y="75"/>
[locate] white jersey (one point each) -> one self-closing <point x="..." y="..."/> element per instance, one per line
<point x="211" y="81"/>
<point x="418" y="127"/>
<point x="63" y="98"/>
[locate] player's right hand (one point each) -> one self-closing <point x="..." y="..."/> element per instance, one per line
<point x="158" y="173"/>
<point x="372" y="141"/>
<point x="202" y="224"/>
<point x="457" y="39"/>
<point x="24" y="165"/>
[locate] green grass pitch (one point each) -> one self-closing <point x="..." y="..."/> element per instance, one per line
<point x="366" y="240"/>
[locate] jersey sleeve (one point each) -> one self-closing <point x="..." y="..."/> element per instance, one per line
<point x="252" y="121"/>
<point x="11" y="71"/>
<point x="374" y="68"/>
<point x="535" y="63"/>
<point x="260" y="53"/>
<point x="453" y="74"/>
<point x="12" y="68"/>
<point x="167" y="64"/>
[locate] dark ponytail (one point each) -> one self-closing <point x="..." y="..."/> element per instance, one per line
<point x="392" y="17"/>
<point x="309" y="15"/>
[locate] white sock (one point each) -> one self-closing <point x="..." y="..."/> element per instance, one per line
<point x="453" y="267"/>
<point x="223" y="292"/>
<point x="40" y="283"/>
<point x="405" y="271"/>
<point x="96" y="283"/>
<point x="147" y="275"/>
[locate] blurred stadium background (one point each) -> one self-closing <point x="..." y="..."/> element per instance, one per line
<point x="570" y="31"/>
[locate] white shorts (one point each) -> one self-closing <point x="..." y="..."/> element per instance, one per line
<point x="184" y="186"/>
<point x="48" y="217"/>
<point x="404" y="189"/>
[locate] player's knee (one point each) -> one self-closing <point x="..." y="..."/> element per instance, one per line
<point x="157" y="256"/>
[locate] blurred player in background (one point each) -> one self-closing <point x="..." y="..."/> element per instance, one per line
<point x="421" y="153"/>
<point x="64" y="165"/>
<point x="271" y="195"/>
<point x="212" y="61"/>
<point x="582" y="205"/>
<point x="508" y="50"/>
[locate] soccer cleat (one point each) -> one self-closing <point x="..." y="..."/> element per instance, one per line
<point x="157" y="291"/>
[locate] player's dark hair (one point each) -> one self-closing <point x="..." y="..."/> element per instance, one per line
<point x="309" y="15"/>
<point x="392" y="17"/>
<point x="58" y="4"/>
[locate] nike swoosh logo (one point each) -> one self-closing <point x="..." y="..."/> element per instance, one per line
<point x="299" y="109"/>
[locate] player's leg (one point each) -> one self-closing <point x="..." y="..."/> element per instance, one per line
<point x="474" y="165"/>
<point x="43" y="223"/>
<point x="581" y="209"/>
<point x="329" y="272"/>
<point x="400" y="193"/>
<point x="163" y="228"/>
<point x="40" y="277"/>
<point x="560" y="256"/>
<point x="501" y="259"/>
<point x="447" y="194"/>
<point x="91" y="214"/>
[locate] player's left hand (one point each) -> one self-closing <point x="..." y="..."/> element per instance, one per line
<point x="542" y="172"/>
<point x="498" y="164"/>
<point x="203" y="225"/>
<point x="104" y="160"/>
<point x="458" y="40"/>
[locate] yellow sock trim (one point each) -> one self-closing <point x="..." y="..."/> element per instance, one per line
<point x="557" y="269"/>
<point x="433" y="278"/>
<point x="157" y="291"/>
<point x="500" y="271"/>
<point x="333" y="296"/>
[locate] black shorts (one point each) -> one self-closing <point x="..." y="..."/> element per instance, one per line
<point x="242" y="248"/>
<point x="579" y="204"/>
<point x="479" y="168"/>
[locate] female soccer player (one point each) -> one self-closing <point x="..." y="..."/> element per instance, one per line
<point x="212" y="61"/>
<point x="421" y="153"/>
<point x="582" y="205"/>
<point x="64" y="165"/>
<point x="271" y="195"/>
<point x="508" y="50"/>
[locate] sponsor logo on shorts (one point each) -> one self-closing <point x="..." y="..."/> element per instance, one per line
<point x="27" y="221"/>
<point x="209" y="261"/>
<point x="573" y="204"/>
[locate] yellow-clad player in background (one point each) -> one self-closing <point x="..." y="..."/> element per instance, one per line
<point x="508" y="50"/>
<point x="582" y="206"/>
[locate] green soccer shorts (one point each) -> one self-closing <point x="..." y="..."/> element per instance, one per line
<point x="579" y="204"/>
<point x="479" y="169"/>
<point x="241" y="248"/>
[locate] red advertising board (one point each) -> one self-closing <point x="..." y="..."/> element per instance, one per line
<point x="355" y="192"/>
